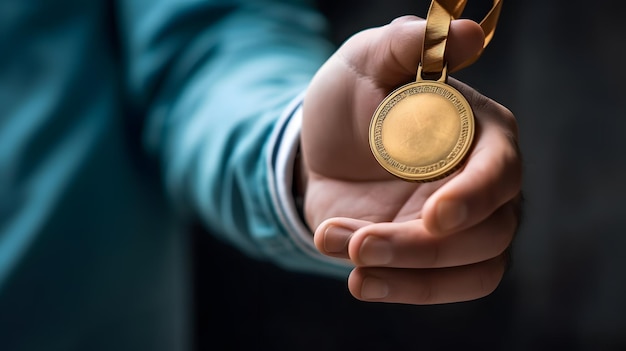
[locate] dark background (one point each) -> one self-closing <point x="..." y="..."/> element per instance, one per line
<point x="559" y="66"/>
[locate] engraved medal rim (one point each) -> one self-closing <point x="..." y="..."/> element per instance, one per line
<point x="440" y="172"/>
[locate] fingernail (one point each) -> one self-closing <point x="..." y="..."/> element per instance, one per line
<point x="336" y="239"/>
<point x="374" y="288"/>
<point x="375" y="251"/>
<point x="450" y="215"/>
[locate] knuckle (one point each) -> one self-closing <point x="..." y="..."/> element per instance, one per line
<point x="508" y="118"/>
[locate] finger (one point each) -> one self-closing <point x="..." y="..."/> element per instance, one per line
<point x="427" y="286"/>
<point x="410" y="245"/>
<point x="392" y="54"/>
<point x="491" y="177"/>
<point x="332" y="236"/>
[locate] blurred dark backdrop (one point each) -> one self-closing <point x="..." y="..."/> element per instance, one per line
<point x="559" y="66"/>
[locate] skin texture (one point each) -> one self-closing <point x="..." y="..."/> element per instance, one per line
<point x="431" y="243"/>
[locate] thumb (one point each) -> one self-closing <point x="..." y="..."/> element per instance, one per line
<point x="391" y="54"/>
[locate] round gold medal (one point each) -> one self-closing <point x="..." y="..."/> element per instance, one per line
<point x="422" y="131"/>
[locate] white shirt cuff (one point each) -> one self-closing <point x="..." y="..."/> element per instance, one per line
<point x="285" y="145"/>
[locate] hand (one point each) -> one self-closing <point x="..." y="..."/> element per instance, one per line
<point x="413" y="243"/>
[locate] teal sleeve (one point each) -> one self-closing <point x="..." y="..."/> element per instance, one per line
<point x="213" y="78"/>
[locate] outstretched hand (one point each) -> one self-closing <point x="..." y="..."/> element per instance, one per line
<point x="413" y="243"/>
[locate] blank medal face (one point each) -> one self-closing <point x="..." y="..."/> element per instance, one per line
<point x="422" y="131"/>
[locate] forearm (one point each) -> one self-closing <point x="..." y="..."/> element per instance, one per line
<point x="213" y="117"/>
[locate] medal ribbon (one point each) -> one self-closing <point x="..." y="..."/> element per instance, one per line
<point x="440" y="14"/>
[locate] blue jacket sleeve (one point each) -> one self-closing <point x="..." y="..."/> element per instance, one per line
<point x="213" y="78"/>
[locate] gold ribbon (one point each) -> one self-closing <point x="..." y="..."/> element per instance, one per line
<point x="440" y="15"/>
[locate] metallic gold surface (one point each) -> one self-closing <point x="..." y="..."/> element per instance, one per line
<point x="422" y="131"/>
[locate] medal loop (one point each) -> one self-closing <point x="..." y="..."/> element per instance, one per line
<point x="440" y="14"/>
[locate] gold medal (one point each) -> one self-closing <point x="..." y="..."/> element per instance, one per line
<point x="423" y="130"/>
